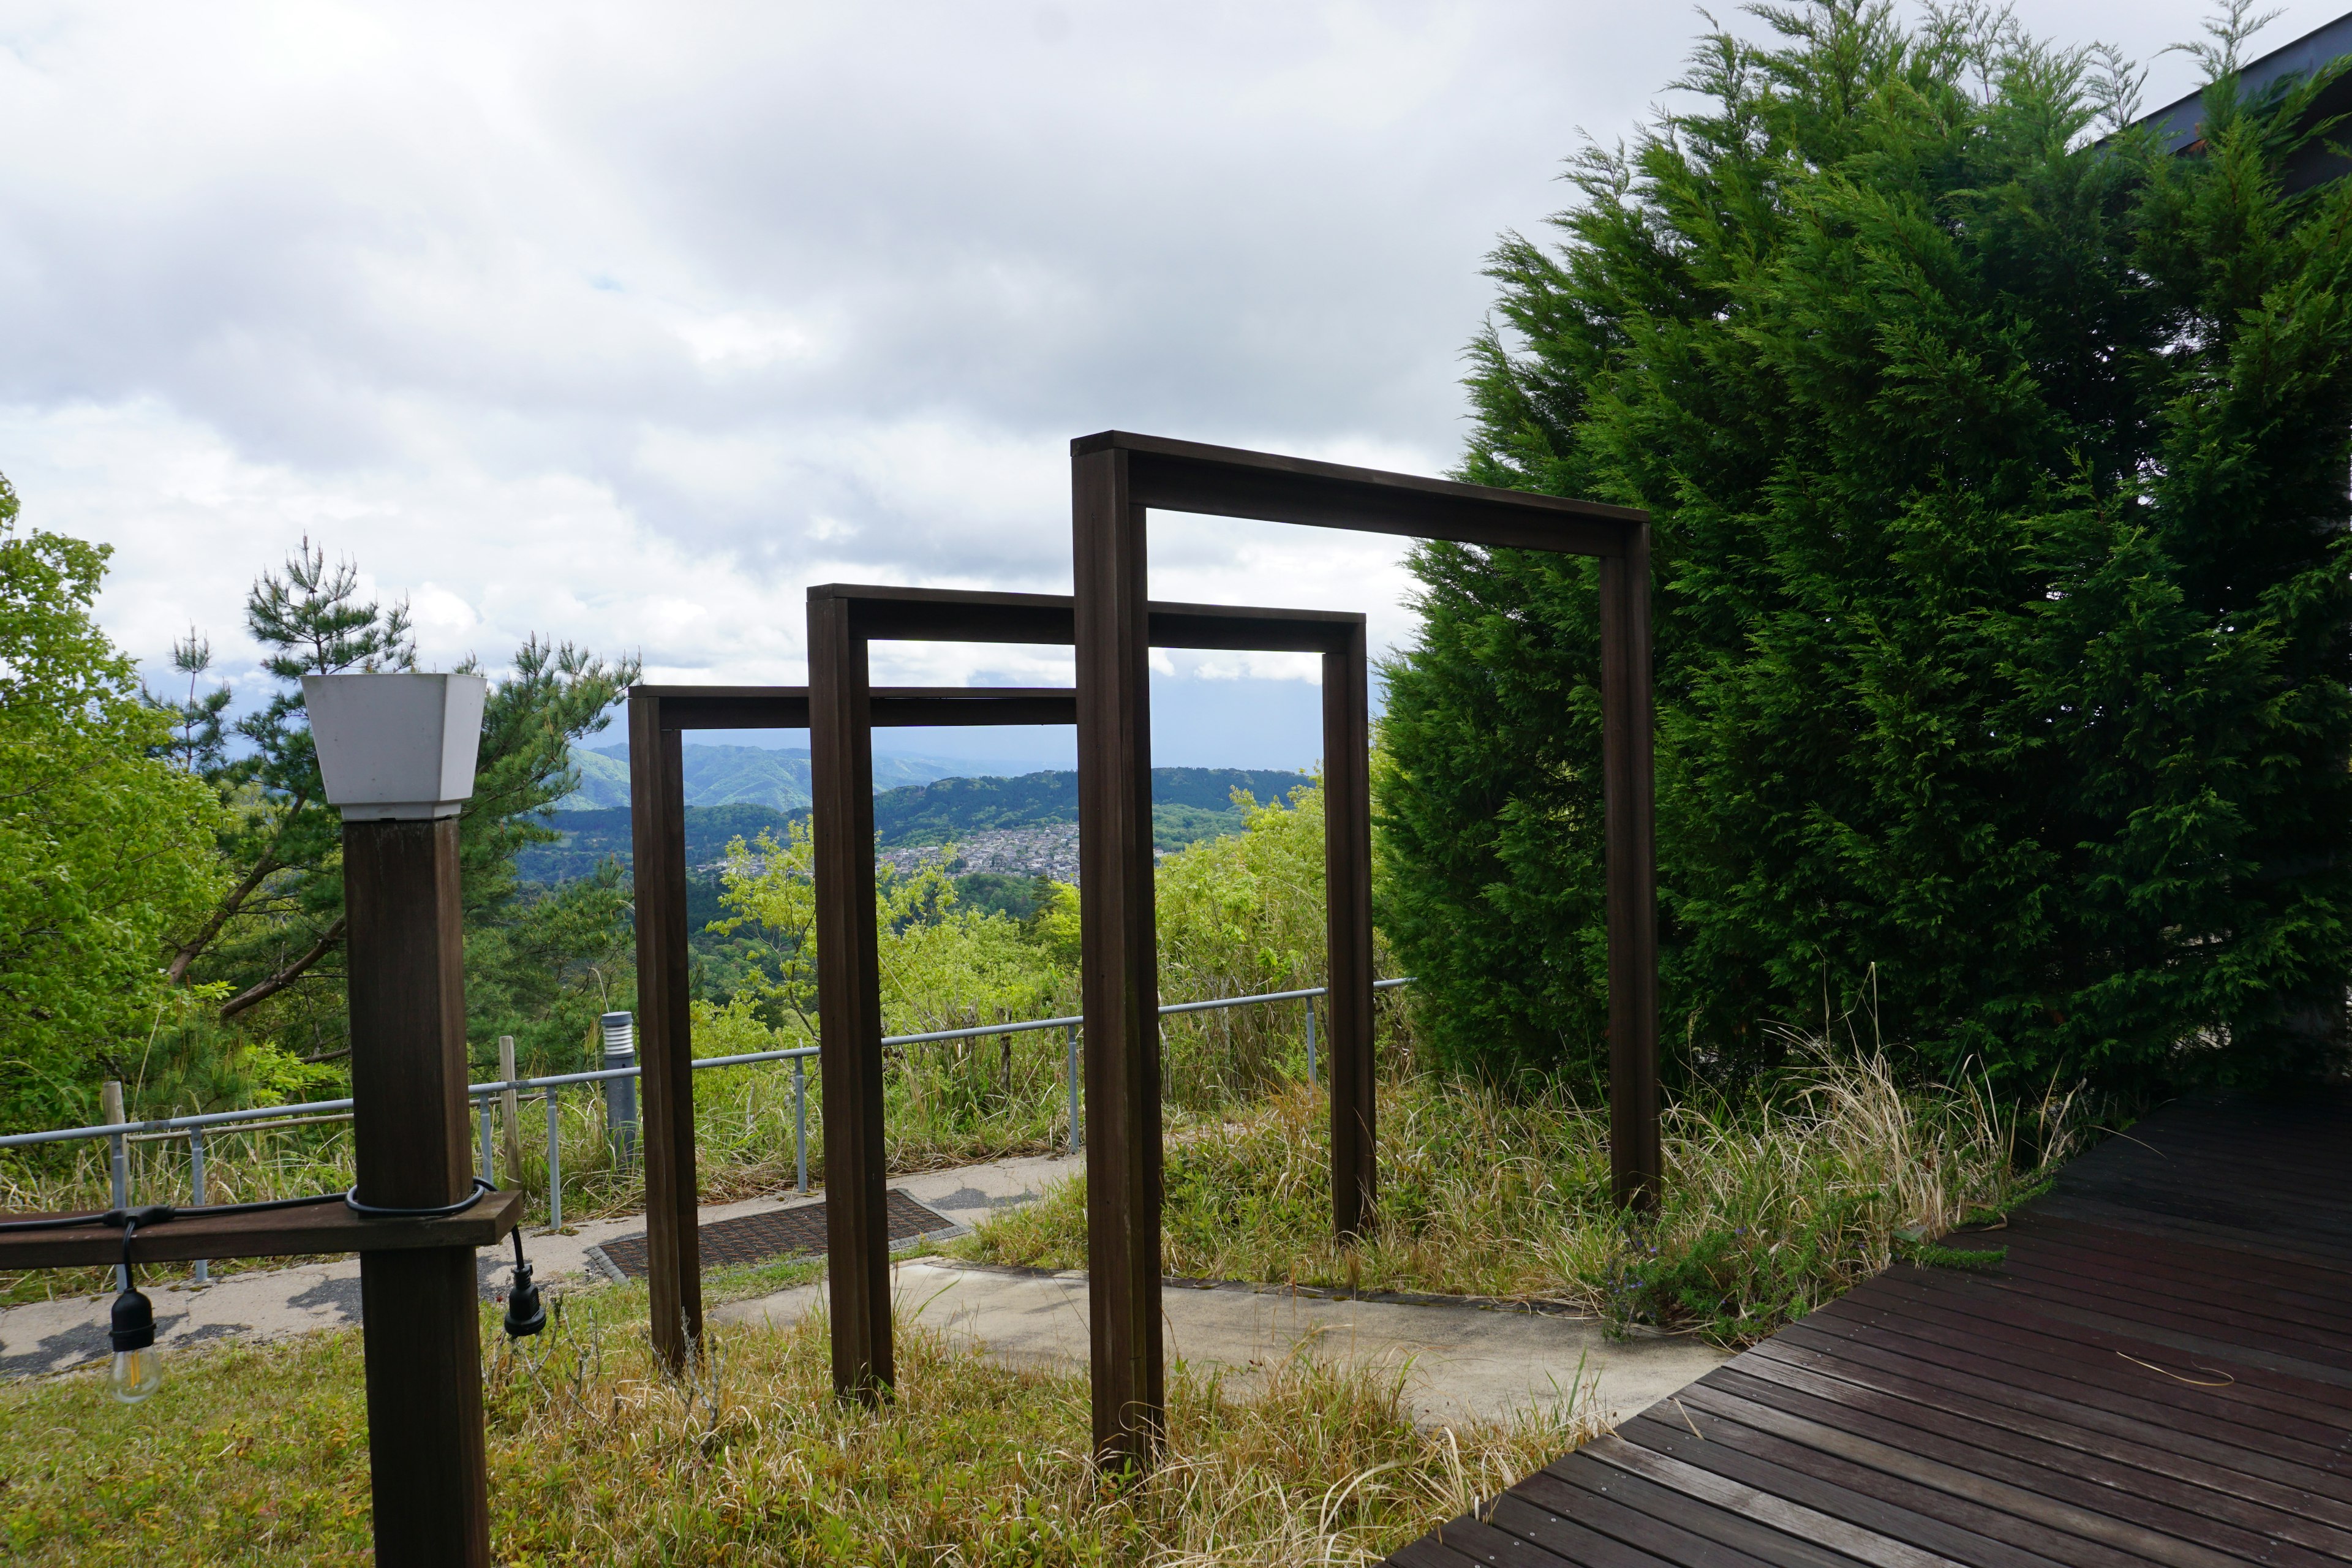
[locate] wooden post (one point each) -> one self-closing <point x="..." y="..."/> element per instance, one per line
<point x="664" y="1034"/>
<point x="1348" y="906"/>
<point x="1636" y="1160"/>
<point x="407" y="987"/>
<point x="849" y="998"/>
<point x="512" y="1109"/>
<point x="1118" y="944"/>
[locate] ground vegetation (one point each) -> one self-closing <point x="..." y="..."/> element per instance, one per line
<point x="254" y="1455"/>
<point x="1773" y="1205"/>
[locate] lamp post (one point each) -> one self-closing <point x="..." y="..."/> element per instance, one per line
<point x="397" y="753"/>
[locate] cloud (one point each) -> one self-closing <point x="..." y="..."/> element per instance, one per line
<point x="624" y="323"/>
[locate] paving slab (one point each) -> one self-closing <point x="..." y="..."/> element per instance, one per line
<point x="1459" y="1361"/>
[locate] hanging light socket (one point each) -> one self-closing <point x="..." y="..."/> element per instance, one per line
<point x="138" y="1365"/>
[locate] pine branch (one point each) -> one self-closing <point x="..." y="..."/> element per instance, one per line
<point x="190" y="951"/>
<point x="261" y="991"/>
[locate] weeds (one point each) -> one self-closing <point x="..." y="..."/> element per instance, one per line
<point x="1769" y="1209"/>
<point x="258" y="1455"/>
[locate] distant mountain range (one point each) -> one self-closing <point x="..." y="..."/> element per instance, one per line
<point x="777" y="777"/>
<point x="1187" y="805"/>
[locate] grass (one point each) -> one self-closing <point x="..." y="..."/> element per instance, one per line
<point x="259" y="1455"/>
<point x="1771" y="1207"/>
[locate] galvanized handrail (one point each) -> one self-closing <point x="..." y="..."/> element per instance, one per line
<point x="194" y="1127"/>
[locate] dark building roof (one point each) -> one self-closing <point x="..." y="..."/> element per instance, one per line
<point x="2177" y="123"/>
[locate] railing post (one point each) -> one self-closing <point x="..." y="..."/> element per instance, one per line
<point x="621" y="1093"/>
<point x="489" y="1154"/>
<point x="800" y="1124"/>
<point x="512" y="1106"/>
<point x="109" y="1102"/>
<point x="1072" y="1073"/>
<point x="1310" y="1039"/>
<point x="196" y="1192"/>
<point x="554" y="1161"/>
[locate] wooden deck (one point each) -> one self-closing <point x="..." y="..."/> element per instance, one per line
<point x="2160" y="1372"/>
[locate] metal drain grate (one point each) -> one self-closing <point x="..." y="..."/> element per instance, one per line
<point x="780" y="1233"/>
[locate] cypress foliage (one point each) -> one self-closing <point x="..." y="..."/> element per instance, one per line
<point x="2000" y="487"/>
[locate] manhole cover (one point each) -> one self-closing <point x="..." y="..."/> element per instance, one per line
<point x="780" y="1233"/>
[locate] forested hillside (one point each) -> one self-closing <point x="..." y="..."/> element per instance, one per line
<point x="1188" y="805"/>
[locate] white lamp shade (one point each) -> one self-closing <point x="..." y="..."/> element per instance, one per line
<point x="396" y="747"/>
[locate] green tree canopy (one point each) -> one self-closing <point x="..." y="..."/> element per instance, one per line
<point x="273" y="938"/>
<point x="105" y="848"/>
<point x="1999" y="479"/>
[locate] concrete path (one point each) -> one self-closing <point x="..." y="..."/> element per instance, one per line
<point x="44" y="1337"/>
<point x="1460" y="1360"/>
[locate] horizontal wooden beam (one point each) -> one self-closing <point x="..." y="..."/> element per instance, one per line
<point x="882" y="613"/>
<point x="1226" y="481"/>
<point x="895" y="706"/>
<point x="975" y="705"/>
<point x="313" y="1228"/>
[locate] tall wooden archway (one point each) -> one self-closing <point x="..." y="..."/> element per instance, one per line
<point x="659" y="715"/>
<point x="1116" y="480"/>
<point x="843" y="620"/>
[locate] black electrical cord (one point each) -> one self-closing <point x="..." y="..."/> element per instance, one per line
<point x="483" y="1187"/>
<point x="158" y="1214"/>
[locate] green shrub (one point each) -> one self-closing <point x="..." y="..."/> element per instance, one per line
<point x="2002" y="607"/>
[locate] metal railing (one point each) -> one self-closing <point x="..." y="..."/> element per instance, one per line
<point x="194" y="1127"/>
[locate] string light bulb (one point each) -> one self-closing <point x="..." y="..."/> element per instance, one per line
<point x="137" y="1363"/>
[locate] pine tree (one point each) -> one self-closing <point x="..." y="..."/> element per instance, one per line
<point x="276" y="935"/>
<point x="1998" y="477"/>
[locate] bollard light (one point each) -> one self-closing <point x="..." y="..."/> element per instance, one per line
<point x="396" y="753"/>
<point x="396" y="748"/>
<point x="621" y="1093"/>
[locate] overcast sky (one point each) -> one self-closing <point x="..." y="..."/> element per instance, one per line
<point x="624" y="323"/>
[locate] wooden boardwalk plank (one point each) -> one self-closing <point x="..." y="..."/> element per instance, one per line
<point x="1972" y="1529"/>
<point x="1721" y="1524"/>
<point x="2088" y="1496"/>
<point x="1666" y="1539"/>
<point x="2239" y="1416"/>
<point x="2158" y="1372"/>
<point x="2153" y="1446"/>
<point x="1846" y="1508"/>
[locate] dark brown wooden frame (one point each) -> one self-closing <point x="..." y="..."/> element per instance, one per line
<point x="843" y="620"/>
<point x="1115" y="479"/>
<point x="659" y="715"/>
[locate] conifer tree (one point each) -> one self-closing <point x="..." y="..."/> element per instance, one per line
<point x="1998" y="474"/>
<point x="274" y="936"/>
